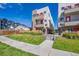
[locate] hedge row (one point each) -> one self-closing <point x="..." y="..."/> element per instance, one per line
<point x="71" y="35"/>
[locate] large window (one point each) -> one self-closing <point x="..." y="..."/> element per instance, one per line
<point x="62" y="19"/>
<point x="34" y="15"/>
<point x="45" y="20"/>
<point x="44" y="12"/>
<point x="41" y="13"/>
<point x="68" y="18"/>
<point x="41" y="21"/>
<point x="45" y="24"/>
<point x="37" y="21"/>
<point x="69" y="28"/>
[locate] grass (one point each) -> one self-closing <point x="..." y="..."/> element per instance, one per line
<point x="33" y="33"/>
<point x="67" y="44"/>
<point x="28" y="38"/>
<point x="6" y="50"/>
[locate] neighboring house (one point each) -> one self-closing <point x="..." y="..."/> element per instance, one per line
<point x="41" y="19"/>
<point x="22" y="28"/>
<point x="69" y="18"/>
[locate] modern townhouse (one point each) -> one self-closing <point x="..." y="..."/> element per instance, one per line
<point x="69" y="18"/>
<point x="41" y="19"/>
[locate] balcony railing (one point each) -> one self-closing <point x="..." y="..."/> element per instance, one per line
<point x="61" y="24"/>
<point x="39" y="25"/>
<point x="75" y="9"/>
<point x="71" y="23"/>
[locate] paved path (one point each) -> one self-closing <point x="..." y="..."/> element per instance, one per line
<point x="44" y="49"/>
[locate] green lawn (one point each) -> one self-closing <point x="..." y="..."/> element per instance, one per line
<point x="6" y="50"/>
<point x="28" y="38"/>
<point x="67" y="44"/>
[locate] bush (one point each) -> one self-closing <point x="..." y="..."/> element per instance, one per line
<point x="71" y="35"/>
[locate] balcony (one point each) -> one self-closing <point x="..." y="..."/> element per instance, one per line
<point x="72" y="11"/>
<point x="39" y="25"/>
<point x="61" y="24"/>
<point x="71" y="23"/>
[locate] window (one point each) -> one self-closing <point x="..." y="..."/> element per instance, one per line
<point x="77" y="5"/>
<point x="63" y="8"/>
<point x="61" y="19"/>
<point x="45" y="20"/>
<point x="45" y="24"/>
<point x="69" y="29"/>
<point x="63" y="29"/>
<point x="44" y="12"/>
<point x="41" y="21"/>
<point x="68" y="18"/>
<point x="37" y="21"/>
<point x="69" y="7"/>
<point x="41" y="13"/>
<point x="34" y="15"/>
<point x="62" y="25"/>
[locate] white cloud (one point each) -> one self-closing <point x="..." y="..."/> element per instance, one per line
<point x="4" y="6"/>
<point x="21" y="7"/>
<point x="10" y="6"/>
<point x="1" y="6"/>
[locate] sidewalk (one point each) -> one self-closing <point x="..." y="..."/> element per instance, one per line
<point x="44" y="49"/>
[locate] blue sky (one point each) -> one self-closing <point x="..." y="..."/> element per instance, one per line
<point x="22" y="12"/>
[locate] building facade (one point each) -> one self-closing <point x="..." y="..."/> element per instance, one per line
<point x="41" y="19"/>
<point x="69" y="18"/>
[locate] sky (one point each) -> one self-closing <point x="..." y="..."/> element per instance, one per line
<point x="22" y="12"/>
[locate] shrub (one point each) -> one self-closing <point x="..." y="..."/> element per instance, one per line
<point x="71" y="35"/>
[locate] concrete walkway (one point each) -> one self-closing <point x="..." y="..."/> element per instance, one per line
<point x="44" y="49"/>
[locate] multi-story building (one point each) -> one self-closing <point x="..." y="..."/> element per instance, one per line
<point x="41" y="19"/>
<point x="69" y="18"/>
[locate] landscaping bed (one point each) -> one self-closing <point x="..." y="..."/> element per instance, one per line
<point x="6" y="50"/>
<point x="67" y="44"/>
<point x="31" y="38"/>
